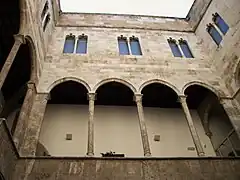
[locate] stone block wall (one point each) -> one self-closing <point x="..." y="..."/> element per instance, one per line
<point x="8" y="153"/>
<point x="123" y="21"/>
<point x="128" y="169"/>
<point x="103" y="61"/>
<point x="225" y="58"/>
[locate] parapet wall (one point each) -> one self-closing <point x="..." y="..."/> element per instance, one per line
<point x="138" y="169"/>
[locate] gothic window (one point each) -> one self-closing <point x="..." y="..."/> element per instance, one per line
<point x="221" y="24"/>
<point x="69" y="44"/>
<point x="82" y="44"/>
<point x="47" y="19"/>
<point x="123" y="46"/>
<point x="44" y="11"/>
<point x="135" y="46"/>
<point x="185" y="48"/>
<point x="174" y="47"/>
<point x="216" y="36"/>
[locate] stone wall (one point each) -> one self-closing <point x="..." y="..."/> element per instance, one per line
<point x="8" y="152"/>
<point x="123" y="22"/>
<point x="104" y="62"/>
<point x="225" y="58"/>
<point x="127" y="169"/>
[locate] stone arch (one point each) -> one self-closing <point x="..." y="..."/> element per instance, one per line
<point x="236" y="73"/>
<point x="205" y="85"/>
<point x="61" y="80"/>
<point x="129" y="85"/>
<point x="34" y="63"/>
<point x="174" y="88"/>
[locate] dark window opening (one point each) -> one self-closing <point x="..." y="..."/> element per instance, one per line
<point x="69" y="44"/>
<point x="221" y="24"/>
<point x="123" y="46"/>
<point x="46" y="22"/>
<point x="174" y="48"/>
<point x="159" y="95"/>
<point x="135" y="46"/>
<point x="69" y="92"/>
<point x="44" y="11"/>
<point x="216" y="36"/>
<point x="82" y="44"/>
<point x="185" y="48"/>
<point x="114" y="93"/>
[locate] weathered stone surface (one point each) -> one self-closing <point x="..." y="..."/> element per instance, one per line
<point x="8" y="154"/>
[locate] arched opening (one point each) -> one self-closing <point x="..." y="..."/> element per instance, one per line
<point x="65" y="124"/>
<point x="219" y="137"/>
<point x="167" y="127"/>
<point x="116" y="121"/>
<point x="9" y="25"/>
<point x="15" y="85"/>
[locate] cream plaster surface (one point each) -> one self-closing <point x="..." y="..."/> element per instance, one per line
<point x="117" y="129"/>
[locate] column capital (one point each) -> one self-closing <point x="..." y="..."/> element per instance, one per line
<point x="31" y="85"/>
<point x="138" y="97"/>
<point x="92" y="96"/>
<point x="20" y="38"/>
<point x="182" y="98"/>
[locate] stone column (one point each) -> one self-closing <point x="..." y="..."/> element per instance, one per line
<point x="143" y="128"/>
<point x="232" y="108"/>
<point x="191" y="126"/>
<point x="24" y="113"/>
<point x="19" y="40"/>
<point x="31" y="136"/>
<point x="90" y="147"/>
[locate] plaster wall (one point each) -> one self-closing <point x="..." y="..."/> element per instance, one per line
<point x="116" y="128"/>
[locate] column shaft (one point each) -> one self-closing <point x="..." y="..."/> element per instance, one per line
<point x="19" y="39"/>
<point x="191" y="126"/>
<point x="24" y="114"/>
<point x="90" y="147"/>
<point x="143" y="128"/>
<point x="34" y="124"/>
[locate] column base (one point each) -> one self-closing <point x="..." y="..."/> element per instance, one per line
<point x="147" y="155"/>
<point x="201" y="154"/>
<point x="90" y="154"/>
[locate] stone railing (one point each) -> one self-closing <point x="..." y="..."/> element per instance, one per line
<point x="8" y="151"/>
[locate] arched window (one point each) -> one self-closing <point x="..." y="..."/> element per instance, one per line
<point x="213" y="32"/>
<point x="82" y="44"/>
<point x="174" y="47"/>
<point x="44" y="11"/>
<point x="185" y="48"/>
<point x="135" y="46"/>
<point x="47" y="19"/>
<point x="123" y="46"/>
<point x="69" y="44"/>
<point x="221" y="24"/>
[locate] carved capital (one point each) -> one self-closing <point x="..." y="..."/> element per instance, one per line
<point x="20" y="38"/>
<point x="182" y="98"/>
<point x="31" y="86"/>
<point x="138" y="98"/>
<point x="92" y="96"/>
